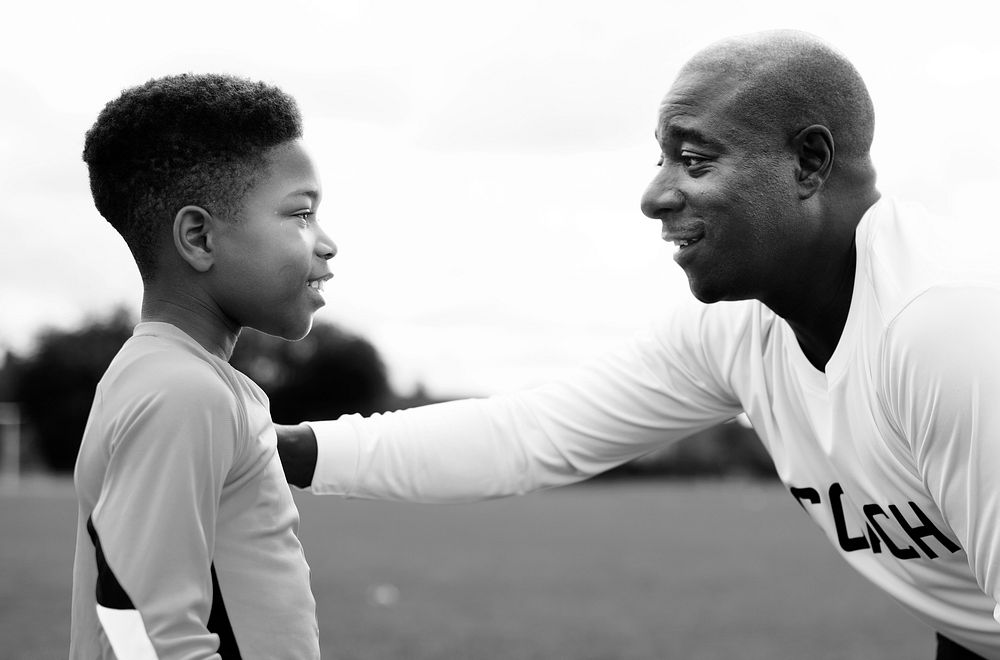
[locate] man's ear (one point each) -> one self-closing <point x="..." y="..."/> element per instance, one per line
<point x="193" y="237"/>
<point x="814" y="152"/>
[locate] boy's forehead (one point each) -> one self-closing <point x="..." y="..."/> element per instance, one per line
<point x="290" y="166"/>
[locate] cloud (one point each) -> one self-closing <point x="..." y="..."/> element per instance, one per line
<point x="577" y="96"/>
<point x="364" y="93"/>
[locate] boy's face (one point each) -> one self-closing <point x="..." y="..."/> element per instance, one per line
<point x="271" y="261"/>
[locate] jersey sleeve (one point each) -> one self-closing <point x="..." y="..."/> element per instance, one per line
<point x="153" y="527"/>
<point x="654" y="390"/>
<point x="940" y="373"/>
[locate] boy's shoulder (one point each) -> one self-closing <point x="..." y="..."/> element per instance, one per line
<point x="162" y="383"/>
<point x="160" y="361"/>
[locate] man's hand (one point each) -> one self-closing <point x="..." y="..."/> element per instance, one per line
<point x="297" y="450"/>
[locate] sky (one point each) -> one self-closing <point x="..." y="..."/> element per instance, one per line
<point x="482" y="162"/>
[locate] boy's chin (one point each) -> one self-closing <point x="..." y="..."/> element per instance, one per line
<point x="298" y="334"/>
<point x="290" y="332"/>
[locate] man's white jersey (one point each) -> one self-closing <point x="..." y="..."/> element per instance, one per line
<point x="894" y="450"/>
<point x="186" y="542"/>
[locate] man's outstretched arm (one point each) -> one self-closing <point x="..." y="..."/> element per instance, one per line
<point x="297" y="450"/>
<point x="615" y="409"/>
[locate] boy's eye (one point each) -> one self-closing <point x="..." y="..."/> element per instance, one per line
<point x="305" y="216"/>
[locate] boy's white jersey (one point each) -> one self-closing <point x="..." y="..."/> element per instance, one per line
<point x="186" y="540"/>
<point x="894" y="450"/>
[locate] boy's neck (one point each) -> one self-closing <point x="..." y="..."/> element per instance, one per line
<point x="200" y="321"/>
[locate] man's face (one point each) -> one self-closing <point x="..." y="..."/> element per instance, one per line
<point x="271" y="261"/>
<point x="724" y="192"/>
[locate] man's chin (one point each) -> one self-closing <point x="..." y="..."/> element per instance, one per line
<point x="704" y="291"/>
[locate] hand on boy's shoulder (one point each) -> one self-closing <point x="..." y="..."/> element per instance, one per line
<point x="298" y="452"/>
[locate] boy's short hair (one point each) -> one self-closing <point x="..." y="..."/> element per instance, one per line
<point x="186" y="139"/>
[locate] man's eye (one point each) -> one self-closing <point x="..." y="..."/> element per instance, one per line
<point x="690" y="160"/>
<point x="659" y="161"/>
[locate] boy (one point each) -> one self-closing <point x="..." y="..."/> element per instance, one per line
<point x="186" y="539"/>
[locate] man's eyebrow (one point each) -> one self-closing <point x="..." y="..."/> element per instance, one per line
<point x="685" y="134"/>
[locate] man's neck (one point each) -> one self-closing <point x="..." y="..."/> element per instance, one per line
<point x="819" y="327"/>
<point x="817" y="302"/>
<point x="818" y="313"/>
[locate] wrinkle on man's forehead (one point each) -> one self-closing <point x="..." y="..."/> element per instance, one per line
<point x="697" y="85"/>
<point x="692" y="99"/>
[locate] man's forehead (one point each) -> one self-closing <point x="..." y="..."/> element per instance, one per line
<point x="700" y="86"/>
<point x="697" y="108"/>
<point x="682" y="122"/>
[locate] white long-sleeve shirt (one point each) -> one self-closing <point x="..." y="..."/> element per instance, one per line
<point x="894" y="450"/>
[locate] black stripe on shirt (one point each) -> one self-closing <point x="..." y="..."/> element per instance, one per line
<point x="949" y="650"/>
<point x="218" y="623"/>
<point x="110" y="593"/>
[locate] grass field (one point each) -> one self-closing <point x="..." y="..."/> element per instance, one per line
<point x="622" y="570"/>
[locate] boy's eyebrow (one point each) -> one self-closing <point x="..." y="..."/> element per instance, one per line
<point x="311" y="193"/>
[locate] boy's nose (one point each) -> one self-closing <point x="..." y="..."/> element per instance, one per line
<point x="325" y="247"/>
<point x="328" y="250"/>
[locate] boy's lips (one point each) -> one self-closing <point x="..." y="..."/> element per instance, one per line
<point x="316" y="283"/>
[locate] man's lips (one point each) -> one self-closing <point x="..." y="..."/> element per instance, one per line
<point x="682" y="238"/>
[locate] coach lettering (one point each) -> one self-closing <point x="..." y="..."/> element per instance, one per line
<point x="924" y="530"/>
<point x="848" y="543"/>
<point x="804" y="494"/>
<point x="876" y="527"/>
<point x="872" y="510"/>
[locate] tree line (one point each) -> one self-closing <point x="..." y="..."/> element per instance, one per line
<point x="329" y="373"/>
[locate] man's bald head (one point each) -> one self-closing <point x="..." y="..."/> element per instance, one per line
<point x="784" y="81"/>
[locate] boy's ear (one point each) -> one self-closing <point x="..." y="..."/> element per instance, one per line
<point x="193" y="237"/>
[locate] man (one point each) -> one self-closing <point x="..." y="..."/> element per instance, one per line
<point x="865" y="356"/>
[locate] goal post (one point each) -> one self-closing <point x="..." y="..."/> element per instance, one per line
<point x="10" y="446"/>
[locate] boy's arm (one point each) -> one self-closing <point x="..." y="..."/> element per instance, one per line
<point x="941" y="387"/>
<point x="153" y="528"/>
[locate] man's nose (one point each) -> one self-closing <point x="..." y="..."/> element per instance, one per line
<point x="661" y="197"/>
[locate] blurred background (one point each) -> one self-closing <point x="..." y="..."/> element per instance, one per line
<point x="482" y="166"/>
